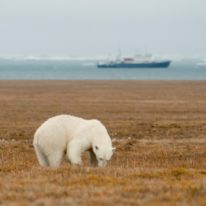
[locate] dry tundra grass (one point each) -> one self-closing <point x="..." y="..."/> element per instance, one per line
<point x="159" y="129"/>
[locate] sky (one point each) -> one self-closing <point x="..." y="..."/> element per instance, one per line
<point x="95" y="27"/>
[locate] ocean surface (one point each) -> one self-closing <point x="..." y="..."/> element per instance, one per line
<point x="32" y="69"/>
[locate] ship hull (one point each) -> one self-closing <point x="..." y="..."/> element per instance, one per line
<point x="164" y="64"/>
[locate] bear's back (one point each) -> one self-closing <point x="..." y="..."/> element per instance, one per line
<point x="61" y="128"/>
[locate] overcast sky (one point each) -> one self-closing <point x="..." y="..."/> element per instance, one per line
<point x="95" y="27"/>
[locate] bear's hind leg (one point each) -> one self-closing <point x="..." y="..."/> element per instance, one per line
<point x="55" y="158"/>
<point x="41" y="156"/>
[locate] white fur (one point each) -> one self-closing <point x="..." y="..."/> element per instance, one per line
<point x="73" y="135"/>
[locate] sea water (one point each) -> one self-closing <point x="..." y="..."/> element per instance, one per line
<point x="15" y="69"/>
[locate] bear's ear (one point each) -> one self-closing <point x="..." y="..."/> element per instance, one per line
<point x="96" y="147"/>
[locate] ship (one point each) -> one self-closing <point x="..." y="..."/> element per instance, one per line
<point x="139" y="61"/>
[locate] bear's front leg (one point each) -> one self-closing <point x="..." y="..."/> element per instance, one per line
<point x="93" y="159"/>
<point x="74" y="153"/>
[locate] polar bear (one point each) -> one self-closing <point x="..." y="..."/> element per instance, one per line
<point x="73" y="135"/>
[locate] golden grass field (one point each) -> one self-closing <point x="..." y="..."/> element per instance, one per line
<point x="158" y="127"/>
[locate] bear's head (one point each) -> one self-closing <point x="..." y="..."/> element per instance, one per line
<point x="103" y="154"/>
